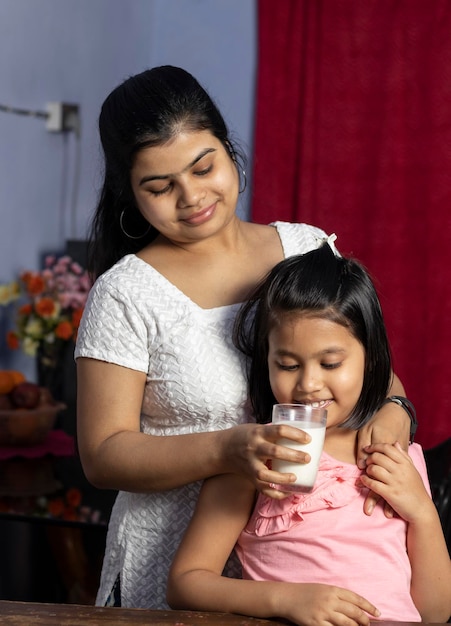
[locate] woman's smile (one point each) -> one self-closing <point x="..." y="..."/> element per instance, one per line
<point x="200" y="217"/>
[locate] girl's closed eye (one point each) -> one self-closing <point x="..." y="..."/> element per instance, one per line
<point x="288" y="367"/>
<point x="332" y="366"/>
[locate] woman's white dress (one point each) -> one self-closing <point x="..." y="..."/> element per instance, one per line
<point x="195" y="382"/>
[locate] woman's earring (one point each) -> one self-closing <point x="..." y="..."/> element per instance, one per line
<point x="121" y="224"/>
<point x="244" y="182"/>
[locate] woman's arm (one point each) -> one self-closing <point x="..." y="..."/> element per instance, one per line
<point x="116" y="455"/>
<point x="195" y="581"/>
<point x="391" y="423"/>
<point x="392" y="474"/>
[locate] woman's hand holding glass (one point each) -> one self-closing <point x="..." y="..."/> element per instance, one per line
<point x="251" y="447"/>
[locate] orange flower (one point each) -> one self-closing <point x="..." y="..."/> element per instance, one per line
<point x="12" y="340"/>
<point x="64" y="330"/>
<point x="45" y="307"/>
<point x="34" y="283"/>
<point x="56" y="507"/>
<point x="73" y="497"/>
<point x="25" y="309"/>
<point x="76" y="317"/>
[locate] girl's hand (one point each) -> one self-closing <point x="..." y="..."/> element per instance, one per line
<point x="391" y="474"/>
<point x="249" y="447"/>
<point x="323" y="605"/>
<point x="391" y="423"/>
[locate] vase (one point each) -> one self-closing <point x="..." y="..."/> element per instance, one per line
<point x="50" y="368"/>
<point x="56" y="370"/>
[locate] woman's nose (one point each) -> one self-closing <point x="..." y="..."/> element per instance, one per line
<point x="190" y="195"/>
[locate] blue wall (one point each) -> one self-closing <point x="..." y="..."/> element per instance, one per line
<point x="76" y="51"/>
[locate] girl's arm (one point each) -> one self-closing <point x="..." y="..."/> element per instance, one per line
<point x="116" y="455"/>
<point x="195" y="581"/>
<point x="392" y="474"/>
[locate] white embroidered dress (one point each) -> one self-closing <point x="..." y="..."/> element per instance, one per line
<point x="195" y="382"/>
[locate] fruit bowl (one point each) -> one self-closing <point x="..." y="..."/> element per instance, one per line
<point x="27" y="427"/>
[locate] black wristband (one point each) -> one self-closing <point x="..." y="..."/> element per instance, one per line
<point x="409" y="409"/>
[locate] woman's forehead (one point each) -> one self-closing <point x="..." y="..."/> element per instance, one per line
<point x="178" y="153"/>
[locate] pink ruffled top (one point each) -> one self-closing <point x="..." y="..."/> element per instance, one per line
<point x="325" y="537"/>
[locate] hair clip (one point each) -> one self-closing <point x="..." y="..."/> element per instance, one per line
<point x="330" y="242"/>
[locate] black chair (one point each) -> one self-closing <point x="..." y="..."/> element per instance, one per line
<point x="438" y="461"/>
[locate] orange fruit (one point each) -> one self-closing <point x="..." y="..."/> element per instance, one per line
<point x="17" y="376"/>
<point x="7" y="383"/>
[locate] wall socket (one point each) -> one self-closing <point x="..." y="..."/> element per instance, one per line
<point x="63" y="117"/>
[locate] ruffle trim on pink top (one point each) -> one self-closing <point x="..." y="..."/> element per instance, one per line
<point x="337" y="485"/>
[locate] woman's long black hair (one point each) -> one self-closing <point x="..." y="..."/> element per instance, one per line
<point x="323" y="285"/>
<point x="146" y="110"/>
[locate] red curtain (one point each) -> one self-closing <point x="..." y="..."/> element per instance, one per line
<point x="353" y="134"/>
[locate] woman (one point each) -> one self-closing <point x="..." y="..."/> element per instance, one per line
<point x="160" y="383"/>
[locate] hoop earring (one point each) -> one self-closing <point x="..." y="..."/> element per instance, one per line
<point x="244" y="183"/>
<point x="121" y="224"/>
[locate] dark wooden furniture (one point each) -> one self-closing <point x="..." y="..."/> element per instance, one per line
<point x="51" y="545"/>
<point x="25" y="614"/>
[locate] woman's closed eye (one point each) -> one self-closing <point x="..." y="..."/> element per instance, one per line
<point x="168" y="187"/>
<point x="160" y="192"/>
<point x="204" y="171"/>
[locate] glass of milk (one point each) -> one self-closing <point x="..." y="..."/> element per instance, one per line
<point x="312" y="420"/>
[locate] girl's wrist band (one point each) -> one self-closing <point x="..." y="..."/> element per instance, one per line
<point x="409" y="409"/>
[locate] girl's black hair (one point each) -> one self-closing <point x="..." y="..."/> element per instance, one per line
<point x="323" y="285"/>
<point x="147" y="109"/>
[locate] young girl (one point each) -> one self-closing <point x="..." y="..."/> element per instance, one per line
<point x="318" y="337"/>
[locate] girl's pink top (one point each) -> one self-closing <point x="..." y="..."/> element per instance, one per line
<point x="325" y="537"/>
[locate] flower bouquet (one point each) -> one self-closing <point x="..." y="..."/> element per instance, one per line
<point x="51" y="315"/>
<point x="48" y="316"/>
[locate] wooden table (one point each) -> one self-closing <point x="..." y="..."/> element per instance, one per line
<point x="29" y="614"/>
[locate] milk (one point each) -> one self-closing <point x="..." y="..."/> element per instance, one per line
<point x="305" y="473"/>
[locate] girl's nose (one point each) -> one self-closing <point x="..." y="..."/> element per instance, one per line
<point x="309" y="380"/>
